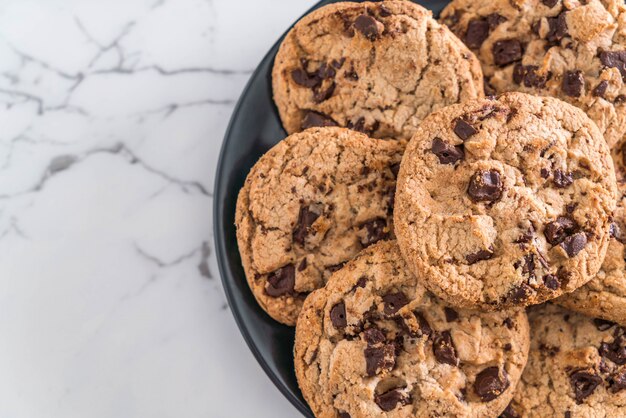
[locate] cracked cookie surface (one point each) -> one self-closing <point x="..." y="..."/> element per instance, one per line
<point x="309" y="205"/>
<point x="576" y="367"/>
<point x="378" y="68"/>
<point x="505" y="202"/>
<point x="570" y="49"/>
<point x="605" y="295"/>
<point x="375" y="343"/>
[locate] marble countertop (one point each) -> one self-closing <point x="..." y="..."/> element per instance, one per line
<point x="111" y="120"/>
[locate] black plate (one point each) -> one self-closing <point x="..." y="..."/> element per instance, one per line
<point x="254" y="128"/>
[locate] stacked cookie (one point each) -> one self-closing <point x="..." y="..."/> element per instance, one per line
<point x="407" y="222"/>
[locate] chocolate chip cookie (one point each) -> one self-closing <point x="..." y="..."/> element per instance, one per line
<point x="309" y="205"/>
<point x="570" y="49"/>
<point x="576" y="367"/>
<point x="505" y="202"/>
<point x="375" y="67"/>
<point x="374" y="342"/>
<point x="605" y="295"/>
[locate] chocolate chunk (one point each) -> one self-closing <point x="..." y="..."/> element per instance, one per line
<point x="394" y="302"/>
<point x="551" y="282"/>
<point x="444" y="349"/>
<point x="447" y="154"/>
<point x="584" y="382"/>
<point x="389" y="400"/>
<point x="479" y="256"/>
<point x="425" y="328"/>
<point x="373" y="336"/>
<point x="620" y="99"/>
<point x="507" y="51"/>
<point x="451" y="314"/>
<point x="352" y="74"/>
<point x="615" y="351"/>
<point x="380" y="359"/>
<point x="360" y="126"/>
<point x="600" y="89"/>
<point x="320" y="96"/>
<point x="521" y="293"/>
<point x="545" y="173"/>
<point x="557" y="28"/>
<point x="281" y="282"/>
<point x="343" y="414"/>
<point x="312" y="119"/>
<point x="562" y="179"/>
<point x="574" y="244"/>
<point x="550" y="3"/>
<point x="614" y="59"/>
<point x="556" y="231"/>
<point x="376" y="230"/>
<point x="302" y="265"/>
<point x="618" y="381"/>
<point x="528" y="76"/>
<point x="485" y="186"/>
<point x="326" y="71"/>
<point x="336" y="267"/>
<point x="494" y="19"/>
<point x="395" y="169"/>
<point x="603" y="324"/>
<point x="362" y="282"/>
<point x="477" y="32"/>
<point x="463" y="130"/>
<point x="491" y="383"/>
<point x="301" y="77"/>
<point x="337" y="64"/>
<point x="573" y="83"/>
<point x="307" y="216"/>
<point x="528" y="266"/>
<point x="509" y="412"/>
<point x="338" y="315"/>
<point x="568" y="414"/>
<point x="367" y="25"/>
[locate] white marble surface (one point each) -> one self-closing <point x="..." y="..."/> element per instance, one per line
<point x="111" y="118"/>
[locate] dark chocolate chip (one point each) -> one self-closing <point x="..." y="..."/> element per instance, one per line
<point x="301" y="77"/>
<point x="338" y="315"/>
<point x="620" y="99"/>
<point x="360" y="126"/>
<point x="316" y="119"/>
<point x="615" y="351"/>
<point x="336" y="267"/>
<point x="545" y="173"/>
<point x="550" y="3"/>
<point x="479" y="256"/>
<point x="307" y="216"/>
<point x="463" y="130"/>
<point x="281" y="281"/>
<point x="603" y="324"/>
<point x="614" y="59"/>
<point x="485" y="186"/>
<point x="521" y="293"/>
<point x="509" y="323"/>
<point x="562" y="179"/>
<point x="509" y="412"/>
<point x="376" y="230"/>
<point x="394" y="302"/>
<point x="337" y="64"/>
<point x="444" y="349"/>
<point x="389" y="400"/>
<point x="568" y="414"/>
<point x="451" y="314"/>
<point x="302" y="265"/>
<point x="477" y="32"/>
<point x="551" y="282"/>
<point x="447" y="153"/>
<point x="395" y="169"/>
<point x="573" y="83"/>
<point x="494" y="19"/>
<point x="425" y="328"/>
<point x="618" y="381"/>
<point x="373" y="336"/>
<point x="507" y="51"/>
<point x="557" y="28"/>
<point x="320" y="96"/>
<point x="491" y="383"/>
<point x="600" y="89"/>
<point x="343" y="415"/>
<point x="380" y="359"/>
<point x="367" y="25"/>
<point x="574" y="244"/>
<point x="326" y="71"/>
<point x="362" y="282"/>
<point x="584" y="382"/>
<point x="529" y="76"/>
<point x="556" y="231"/>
